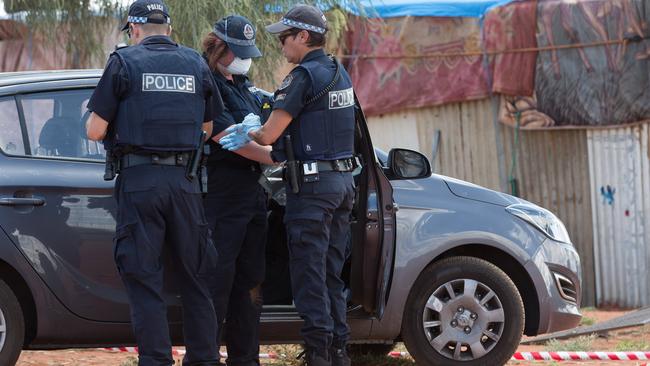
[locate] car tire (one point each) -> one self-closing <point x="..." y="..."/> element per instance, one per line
<point x="370" y="349"/>
<point x="12" y="326"/>
<point x="480" y="324"/>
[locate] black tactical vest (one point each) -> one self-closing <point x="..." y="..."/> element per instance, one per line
<point x="164" y="107"/>
<point x="324" y="129"/>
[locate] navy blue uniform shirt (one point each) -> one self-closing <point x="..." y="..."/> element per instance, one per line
<point x="240" y="87"/>
<point x="296" y="87"/>
<point x="115" y="82"/>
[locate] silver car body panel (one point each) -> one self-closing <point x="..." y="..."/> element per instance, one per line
<point x="428" y="225"/>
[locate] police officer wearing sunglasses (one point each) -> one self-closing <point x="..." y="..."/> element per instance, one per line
<point x="151" y="106"/>
<point x="235" y="204"/>
<point x="315" y="107"/>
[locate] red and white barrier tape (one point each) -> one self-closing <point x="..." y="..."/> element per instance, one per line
<point x="581" y="356"/>
<point x="519" y="356"/>
<point x="567" y="356"/>
<point x="181" y="351"/>
<point x="398" y="354"/>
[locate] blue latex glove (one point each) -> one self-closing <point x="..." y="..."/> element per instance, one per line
<point x="237" y="135"/>
<point x="235" y="140"/>
<point x="251" y="122"/>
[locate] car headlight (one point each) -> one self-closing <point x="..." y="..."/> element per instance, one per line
<point x="542" y="219"/>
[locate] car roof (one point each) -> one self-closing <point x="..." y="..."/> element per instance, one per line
<point x="28" y="77"/>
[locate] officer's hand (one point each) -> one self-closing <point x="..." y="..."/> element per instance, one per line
<point x="235" y="139"/>
<point x="238" y="129"/>
<point x="251" y="122"/>
<point x="237" y="135"/>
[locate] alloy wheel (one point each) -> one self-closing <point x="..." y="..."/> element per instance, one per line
<point x="463" y="319"/>
<point x="3" y="330"/>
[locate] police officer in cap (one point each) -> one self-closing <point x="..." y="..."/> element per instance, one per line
<point x="315" y="106"/>
<point x="235" y="203"/>
<point x="150" y="107"/>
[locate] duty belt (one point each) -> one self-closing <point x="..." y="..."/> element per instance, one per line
<point x="175" y="159"/>
<point x="340" y="165"/>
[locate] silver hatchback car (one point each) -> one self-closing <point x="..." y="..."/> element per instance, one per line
<point x="456" y="271"/>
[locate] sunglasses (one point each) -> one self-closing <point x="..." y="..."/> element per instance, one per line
<point x="283" y="36"/>
<point x="128" y="31"/>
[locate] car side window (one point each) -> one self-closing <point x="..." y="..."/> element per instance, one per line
<point x="11" y="139"/>
<point x="56" y="125"/>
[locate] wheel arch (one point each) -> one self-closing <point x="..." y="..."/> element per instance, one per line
<point x="513" y="269"/>
<point x="17" y="284"/>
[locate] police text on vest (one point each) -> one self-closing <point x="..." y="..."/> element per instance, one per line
<point x="168" y="83"/>
<point x="341" y="98"/>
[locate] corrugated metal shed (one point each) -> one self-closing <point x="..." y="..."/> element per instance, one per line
<point x="466" y="148"/>
<point x="552" y="170"/>
<point x="619" y="161"/>
<point x="394" y="130"/>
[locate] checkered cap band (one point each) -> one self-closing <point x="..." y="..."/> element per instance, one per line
<point x="132" y="19"/>
<point x="142" y="20"/>
<point x="239" y="42"/>
<point x="305" y="26"/>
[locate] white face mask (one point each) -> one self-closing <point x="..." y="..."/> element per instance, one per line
<point x="239" y="66"/>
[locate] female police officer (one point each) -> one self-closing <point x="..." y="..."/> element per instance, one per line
<point x="315" y="106"/>
<point x="235" y="203"/>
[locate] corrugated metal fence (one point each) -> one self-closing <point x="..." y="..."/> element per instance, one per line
<point x="466" y="148"/>
<point x="619" y="166"/>
<point x="552" y="169"/>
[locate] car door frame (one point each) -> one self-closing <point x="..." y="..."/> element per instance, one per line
<point x="373" y="249"/>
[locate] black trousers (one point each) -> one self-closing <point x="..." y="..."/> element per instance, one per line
<point x="159" y="209"/>
<point x="238" y="219"/>
<point x="318" y="229"/>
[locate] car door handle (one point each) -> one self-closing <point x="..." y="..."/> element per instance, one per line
<point x="19" y="201"/>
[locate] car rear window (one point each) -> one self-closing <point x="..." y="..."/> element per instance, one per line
<point x="11" y="139"/>
<point x="55" y="124"/>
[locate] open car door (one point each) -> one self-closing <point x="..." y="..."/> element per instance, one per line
<point x="373" y="230"/>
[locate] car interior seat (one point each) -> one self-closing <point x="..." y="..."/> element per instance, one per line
<point x="60" y="137"/>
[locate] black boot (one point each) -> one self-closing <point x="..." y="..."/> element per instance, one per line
<point x="339" y="356"/>
<point x="317" y="357"/>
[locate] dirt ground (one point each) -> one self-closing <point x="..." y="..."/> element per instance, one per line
<point x="632" y="339"/>
<point x="625" y="340"/>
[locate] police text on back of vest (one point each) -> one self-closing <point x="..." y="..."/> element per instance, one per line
<point x="168" y="83"/>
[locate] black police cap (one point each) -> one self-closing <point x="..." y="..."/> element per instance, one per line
<point x="239" y="34"/>
<point x="140" y="11"/>
<point x="301" y="16"/>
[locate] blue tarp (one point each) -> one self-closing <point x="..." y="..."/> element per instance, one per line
<point x="432" y="8"/>
<point x="416" y="8"/>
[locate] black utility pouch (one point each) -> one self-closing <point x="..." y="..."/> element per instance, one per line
<point x="310" y="171"/>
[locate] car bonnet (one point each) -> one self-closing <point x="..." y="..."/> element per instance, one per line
<point x="475" y="192"/>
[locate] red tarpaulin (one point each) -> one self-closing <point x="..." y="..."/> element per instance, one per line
<point x="398" y="63"/>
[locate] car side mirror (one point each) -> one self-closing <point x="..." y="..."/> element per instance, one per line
<point x="408" y="164"/>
